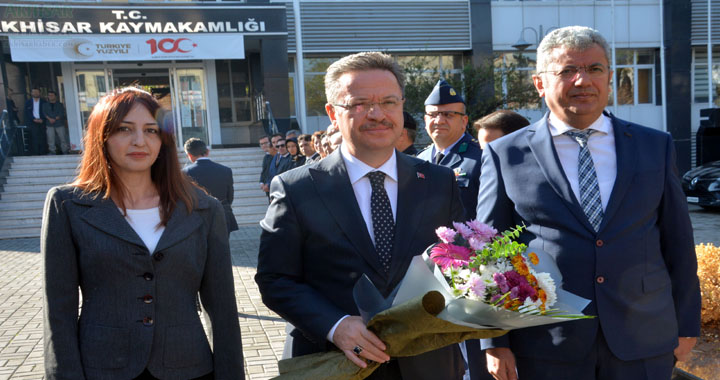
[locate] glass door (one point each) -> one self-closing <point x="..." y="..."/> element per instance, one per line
<point x="92" y="85"/>
<point x="189" y="93"/>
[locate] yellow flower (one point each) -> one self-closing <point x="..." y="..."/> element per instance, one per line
<point x="533" y="258"/>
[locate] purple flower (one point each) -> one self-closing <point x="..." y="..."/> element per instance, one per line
<point x="450" y="255"/>
<point x="447" y="235"/>
<point x="482" y="230"/>
<point x="520" y="288"/>
<point x="477" y="243"/>
<point x="501" y="282"/>
<point x="464" y="230"/>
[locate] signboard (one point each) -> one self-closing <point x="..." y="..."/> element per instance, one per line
<point x="126" y="48"/>
<point x="16" y="19"/>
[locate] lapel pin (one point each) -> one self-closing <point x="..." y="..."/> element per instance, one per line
<point x="420" y="175"/>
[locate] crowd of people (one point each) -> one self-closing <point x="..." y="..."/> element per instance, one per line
<point x="600" y="195"/>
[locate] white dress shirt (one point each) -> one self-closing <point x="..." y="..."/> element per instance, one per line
<point x="602" y="149"/>
<point x="36" y="108"/>
<point x="357" y="171"/>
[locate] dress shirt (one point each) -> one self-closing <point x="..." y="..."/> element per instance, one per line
<point x="446" y="150"/>
<point x="602" y="149"/>
<point x="357" y="171"/>
<point x="36" y="108"/>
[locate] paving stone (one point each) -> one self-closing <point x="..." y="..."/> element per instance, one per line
<point x="21" y="300"/>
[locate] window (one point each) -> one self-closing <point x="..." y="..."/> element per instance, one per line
<point x="513" y="77"/>
<point x="700" y="75"/>
<point x="234" y="97"/>
<point x="634" y="77"/>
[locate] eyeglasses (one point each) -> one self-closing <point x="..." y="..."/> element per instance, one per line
<point x="388" y="105"/>
<point x="446" y="114"/>
<point x="264" y="143"/>
<point x="280" y="145"/>
<point x="572" y="72"/>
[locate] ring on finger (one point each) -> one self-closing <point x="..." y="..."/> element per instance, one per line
<point x="357" y="350"/>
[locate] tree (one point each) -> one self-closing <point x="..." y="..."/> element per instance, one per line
<point x="481" y="86"/>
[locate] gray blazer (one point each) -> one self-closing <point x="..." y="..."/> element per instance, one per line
<point x="138" y="310"/>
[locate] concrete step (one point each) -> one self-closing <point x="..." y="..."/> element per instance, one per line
<point x="54" y="180"/>
<point x="20" y="232"/>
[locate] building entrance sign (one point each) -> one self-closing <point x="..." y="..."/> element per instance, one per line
<point x="140" y="19"/>
<point x="126" y="48"/>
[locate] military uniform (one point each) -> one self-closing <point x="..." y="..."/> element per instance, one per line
<point x="464" y="160"/>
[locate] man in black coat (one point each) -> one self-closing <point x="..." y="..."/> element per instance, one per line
<point x="35" y="123"/>
<point x="352" y="214"/>
<point x="270" y="152"/>
<point x="215" y="178"/>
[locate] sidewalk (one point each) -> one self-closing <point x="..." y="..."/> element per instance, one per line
<point x="21" y="325"/>
<point x="263" y="332"/>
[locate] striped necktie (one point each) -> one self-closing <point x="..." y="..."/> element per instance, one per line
<point x="587" y="179"/>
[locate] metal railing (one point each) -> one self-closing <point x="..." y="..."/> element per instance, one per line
<point x="7" y="133"/>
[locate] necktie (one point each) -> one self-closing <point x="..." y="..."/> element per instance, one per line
<point x="438" y="157"/>
<point x="382" y="219"/>
<point x="587" y="179"/>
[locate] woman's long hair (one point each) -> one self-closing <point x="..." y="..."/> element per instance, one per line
<point x="95" y="174"/>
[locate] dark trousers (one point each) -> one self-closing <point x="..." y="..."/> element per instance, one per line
<point x="37" y="137"/>
<point x="600" y="364"/>
<point x="146" y="375"/>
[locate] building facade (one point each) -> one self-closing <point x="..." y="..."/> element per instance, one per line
<point x="663" y="74"/>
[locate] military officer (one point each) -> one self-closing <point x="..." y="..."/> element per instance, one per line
<point x="446" y="123"/>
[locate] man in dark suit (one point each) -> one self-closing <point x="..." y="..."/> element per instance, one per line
<point x="446" y="124"/>
<point x="307" y="149"/>
<point x="282" y="161"/>
<point x="270" y="152"/>
<point x="35" y="122"/>
<point x="602" y="196"/>
<point x="354" y="213"/>
<point x="217" y="179"/>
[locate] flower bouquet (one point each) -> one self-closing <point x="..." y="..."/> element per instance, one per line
<point x="491" y="280"/>
<point x="474" y="284"/>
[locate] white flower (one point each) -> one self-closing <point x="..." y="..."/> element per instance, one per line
<point x="546" y="283"/>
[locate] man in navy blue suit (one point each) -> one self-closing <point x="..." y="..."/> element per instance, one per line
<point x="452" y="147"/>
<point x="217" y="179"/>
<point x="35" y="123"/>
<point x="602" y="196"/>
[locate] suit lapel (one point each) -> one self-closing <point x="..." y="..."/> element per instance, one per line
<point x="107" y="217"/>
<point x="181" y="225"/>
<point x="625" y="156"/>
<point x="542" y="147"/>
<point x="454" y="156"/>
<point x="411" y="192"/>
<point x="335" y="190"/>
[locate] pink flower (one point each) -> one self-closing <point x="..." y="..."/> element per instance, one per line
<point x="477" y="243"/>
<point x="519" y="287"/>
<point x="447" y="235"/>
<point x="477" y="286"/>
<point x="482" y="230"/>
<point x="450" y="255"/>
<point x="464" y="230"/>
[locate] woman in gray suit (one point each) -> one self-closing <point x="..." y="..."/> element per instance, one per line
<point x="139" y="241"/>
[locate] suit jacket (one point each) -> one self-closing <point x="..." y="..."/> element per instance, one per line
<point x="217" y="179"/>
<point x="278" y="165"/>
<point x="464" y="160"/>
<point x="138" y="311"/>
<point x="639" y="270"/>
<point x="29" y="112"/>
<point x="315" y="246"/>
<point x="267" y="159"/>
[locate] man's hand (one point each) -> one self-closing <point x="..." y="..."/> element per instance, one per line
<point x="38" y="121"/>
<point x="351" y="332"/>
<point x="684" y="349"/>
<point x="265" y="187"/>
<point x="501" y="363"/>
